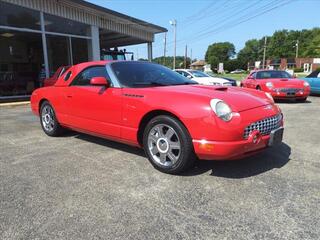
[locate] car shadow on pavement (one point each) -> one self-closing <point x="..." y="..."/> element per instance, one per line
<point x="108" y="143"/>
<point x="291" y="101"/>
<point x="267" y="160"/>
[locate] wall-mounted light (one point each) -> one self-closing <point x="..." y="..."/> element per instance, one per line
<point x="7" y="35"/>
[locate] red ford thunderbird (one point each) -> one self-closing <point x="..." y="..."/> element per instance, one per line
<point x="280" y="84"/>
<point x="175" y="120"/>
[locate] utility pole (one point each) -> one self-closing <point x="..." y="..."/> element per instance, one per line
<point x="297" y="48"/>
<point x="185" y="57"/>
<point x="191" y="56"/>
<point x="264" y="53"/>
<point x="174" y="24"/>
<point x="164" y="48"/>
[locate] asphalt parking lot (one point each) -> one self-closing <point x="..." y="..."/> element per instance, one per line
<point x="83" y="187"/>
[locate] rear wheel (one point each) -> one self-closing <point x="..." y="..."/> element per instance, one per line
<point x="258" y="88"/>
<point x="168" y="145"/>
<point x="49" y="121"/>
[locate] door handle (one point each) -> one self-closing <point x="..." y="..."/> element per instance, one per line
<point x="69" y="96"/>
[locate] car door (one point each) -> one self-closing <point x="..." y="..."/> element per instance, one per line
<point x="95" y="109"/>
<point x="251" y="80"/>
<point x="316" y="82"/>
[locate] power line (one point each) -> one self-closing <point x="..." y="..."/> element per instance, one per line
<point x="239" y="21"/>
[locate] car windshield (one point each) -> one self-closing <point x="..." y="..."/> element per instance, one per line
<point x="143" y="74"/>
<point x="196" y="73"/>
<point x="272" y="74"/>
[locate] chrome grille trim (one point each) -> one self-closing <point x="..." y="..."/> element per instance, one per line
<point x="264" y="126"/>
<point x="286" y="90"/>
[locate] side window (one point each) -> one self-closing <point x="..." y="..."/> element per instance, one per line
<point x="67" y="76"/>
<point x="253" y="75"/>
<point x="83" y="78"/>
<point x="319" y="75"/>
<point x="185" y="74"/>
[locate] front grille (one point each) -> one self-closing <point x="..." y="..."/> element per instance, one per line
<point x="289" y="90"/>
<point x="264" y="126"/>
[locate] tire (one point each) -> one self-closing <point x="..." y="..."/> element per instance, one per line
<point x="258" y="88"/>
<point x="48" y="120"/>
<point x="168" y="145"/>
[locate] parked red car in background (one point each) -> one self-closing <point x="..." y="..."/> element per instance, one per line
<point x="280" y="84"/>
<point x="173" y="118"/>
<point x="52" y="80"/>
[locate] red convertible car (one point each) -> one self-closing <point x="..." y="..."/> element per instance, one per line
<point x="280" y="84"/>
<point x="171" y="117"/>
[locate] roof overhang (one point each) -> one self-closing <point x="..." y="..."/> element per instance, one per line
<point x="91" y="14"/>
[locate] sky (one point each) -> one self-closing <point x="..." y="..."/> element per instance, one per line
<point x="203" y="22"/>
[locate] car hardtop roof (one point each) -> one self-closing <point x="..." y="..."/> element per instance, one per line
<point x="268" y="70"/>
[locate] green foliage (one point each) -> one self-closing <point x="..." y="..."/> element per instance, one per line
<point x="232" y="64"/>
<point x="168" y="61"/>
<point x="252" y="51"/>
<point x="282" y="44"/>
<point x="298" y="70"/>
<point x="219" y="52"/>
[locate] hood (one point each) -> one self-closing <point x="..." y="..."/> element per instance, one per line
<point x="286" y="82"/>
<point x="239" y="99"/>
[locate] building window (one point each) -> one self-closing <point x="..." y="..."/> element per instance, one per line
<point x="63" y="25"/>
<point x="21" y="62"/>
<point x="59" y="52"/>
<point x="79" y="50"/>
<point x="20" y="17"/>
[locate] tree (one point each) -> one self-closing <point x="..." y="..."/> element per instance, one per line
<point x="219" y="52"/>
<point x="252" y="51"/>
<point x="168" y="61"/>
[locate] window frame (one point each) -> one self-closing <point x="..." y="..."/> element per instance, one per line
<point x="87" y="68"/>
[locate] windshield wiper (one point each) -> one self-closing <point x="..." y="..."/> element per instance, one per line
<point x="152" y="83"/>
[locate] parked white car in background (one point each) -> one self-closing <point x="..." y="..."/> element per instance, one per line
<point x="202" y="78"/>
<point x="238" y="71"/>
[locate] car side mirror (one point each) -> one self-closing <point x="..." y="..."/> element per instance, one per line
<point x="99" y="81"/>
<point x="250" y="77"/>
<point x="190" y="77"/>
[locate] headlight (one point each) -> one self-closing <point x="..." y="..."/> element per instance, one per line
<point x="269" y="85"/>
<point x="221" y="109"/>
<point x="306" y="84"/>
<point x="269" y="96"/>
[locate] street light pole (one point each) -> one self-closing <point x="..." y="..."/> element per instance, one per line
<point x="164" y="48"/>
<point x="264" y="53"/>
<point x="297" y="48"/>
<point x="174" y="24"/>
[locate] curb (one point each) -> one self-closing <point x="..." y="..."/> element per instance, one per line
<point x="14" y="104"/>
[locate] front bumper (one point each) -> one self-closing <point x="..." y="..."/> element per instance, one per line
<point x="216" y="150"/>
<point x="277" y="94"/>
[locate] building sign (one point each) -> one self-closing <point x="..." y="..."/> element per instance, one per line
<point x="220" y="68"/>
<point x="316" y="60"/>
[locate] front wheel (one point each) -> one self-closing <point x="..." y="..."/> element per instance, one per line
<point x="168" y="145"/>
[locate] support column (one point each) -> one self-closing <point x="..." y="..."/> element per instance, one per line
<point x="150" y="51"/>
<point x="44" y="46"/>
<point x="94" y="46"/>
